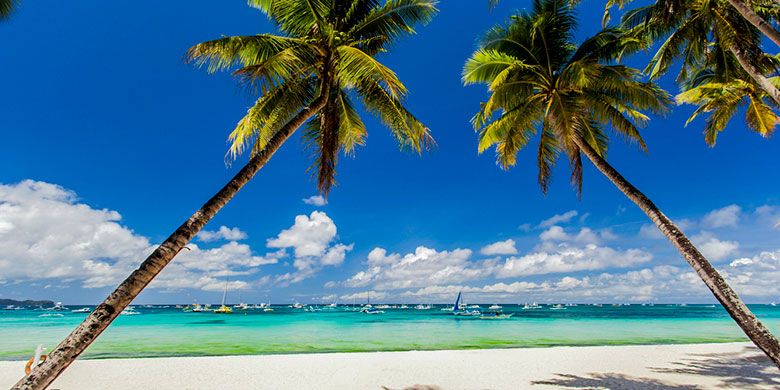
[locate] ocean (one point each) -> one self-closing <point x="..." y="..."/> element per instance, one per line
<point x="168" y="331"/>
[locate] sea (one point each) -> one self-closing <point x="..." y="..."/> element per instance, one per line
<point x="165" y="330"/>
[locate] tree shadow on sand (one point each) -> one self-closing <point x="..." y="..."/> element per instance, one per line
<point x="611" y="381"/>
<point x="748" y="369"/>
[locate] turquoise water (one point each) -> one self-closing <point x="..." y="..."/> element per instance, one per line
<point x="167" y="331"/>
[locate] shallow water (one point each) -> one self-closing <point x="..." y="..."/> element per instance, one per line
<point x="169" y="331"/>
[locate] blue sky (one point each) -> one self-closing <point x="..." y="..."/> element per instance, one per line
<point x="101" y="113"/>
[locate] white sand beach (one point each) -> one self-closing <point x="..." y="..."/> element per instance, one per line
<point x="701" y="366"/>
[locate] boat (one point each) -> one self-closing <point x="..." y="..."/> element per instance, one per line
<point x="422" y="307"/>
<point x="532" y="306"/>
<point x="12" y="307"/>
<point x="403" y="307"/>
<point x="332" y="305"/>
<point x="558" y="307"/>
<point x="368" y="309"/>
<point x="465" y="313"/>
<point x="129" y="311"/>
<point x="773" y="304"/>
<point x="495" y="306"/>
<point x="241" y="306"/>
<point x="82" y="310"/>
<point x="57" y="307"/>
<point x="297" y="305"/>
<point x="494" y="315"/>
<point x="383" y="306"/>
<point x="222" y="308"/>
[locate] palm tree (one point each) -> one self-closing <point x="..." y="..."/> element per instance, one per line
<point x="719" y="87"/>
<point x="758" y="12"/>
<point x="766" y="7"/>
<point x="687" y="29"/>
<point x="541" y="82"/>
<point x="6" y="7"/>
<point x="323" y="59"/>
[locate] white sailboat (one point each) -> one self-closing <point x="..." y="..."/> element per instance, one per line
<point x="222" y="308"/>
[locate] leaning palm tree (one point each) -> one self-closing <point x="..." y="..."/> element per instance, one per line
<point x="687" y="28"/>
<point x="323" y="60"/>
<point x="541" y="83"/>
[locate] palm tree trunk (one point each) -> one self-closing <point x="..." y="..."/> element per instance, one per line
<point x="755" y="74"/>
<point x="751" y="16"/>
<point x="78" y="340"/>
<point x="753" y="328"/>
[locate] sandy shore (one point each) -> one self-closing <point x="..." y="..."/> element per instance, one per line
<point x="702" y="366"/>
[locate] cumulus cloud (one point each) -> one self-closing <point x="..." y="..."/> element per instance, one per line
<point x="565" y="258"/>
<point x="506" y="247"/>
<point x="423" y="267"/>
<point x="584" y="236"/>
<point x="558" y="219"/>
<point x="643" y="285"/>
<point x="223" y="233"/>
<point x="316" y="200"/>
<point x="755" y="276"/>
<point x="713" y="248"/>
<point x="47" y="233"/>
<point x="724" y="217"/>
<point x="311" y="239"/>
<point x="309" y="235"/>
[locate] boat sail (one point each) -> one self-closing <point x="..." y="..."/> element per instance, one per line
<point x="224" y="309"/>
<point x="456" y="309"/>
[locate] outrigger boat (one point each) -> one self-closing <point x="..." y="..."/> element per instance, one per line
<point x="494" y="315"/>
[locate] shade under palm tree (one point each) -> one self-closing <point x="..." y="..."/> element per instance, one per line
<point x="542" y="83"/>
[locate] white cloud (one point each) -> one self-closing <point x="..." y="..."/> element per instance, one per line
<point x="643" y="285"/>
<point x="565" y="258"/>
<point x="48" y="234"/>
<point x="558" y="218"/>
<point x="769" y="215"/>
<point x="713" y="248"/>
<point x="554" y="233"/>
<point x="425" y="266"/>
<point x="309" y="236"/>
<point x="223" y="233"/>
<point x="311" y="239"/>
<point x="584" y="236"/>
<point x="506" y="247"/>
<point x="724" y="217"/>
<point x="316" y="200"/>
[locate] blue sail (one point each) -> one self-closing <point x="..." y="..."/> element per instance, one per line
<point x="457" y="303"/>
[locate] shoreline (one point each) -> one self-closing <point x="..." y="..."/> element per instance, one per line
<point x="690" y="366"/>
<point x="474" y="348"/>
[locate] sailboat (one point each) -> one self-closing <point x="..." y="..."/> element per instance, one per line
<point x="222" y="308"/>
<point x="456" y="308"/>
<point x="368" y="309"/>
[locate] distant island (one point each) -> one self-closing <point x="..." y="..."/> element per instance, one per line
<point x="29" y="302"/>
